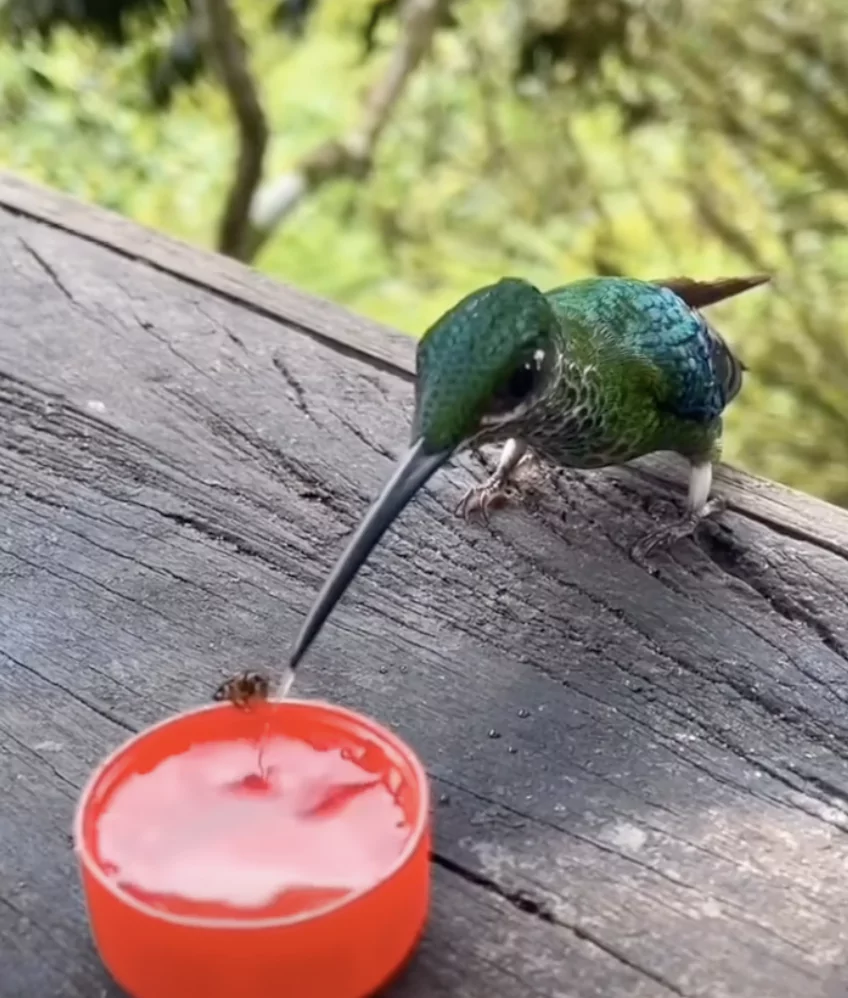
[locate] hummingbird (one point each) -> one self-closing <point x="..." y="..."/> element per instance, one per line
<point x="593" y="373"/>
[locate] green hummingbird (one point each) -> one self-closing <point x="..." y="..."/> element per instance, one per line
<point x="590" y="374"/>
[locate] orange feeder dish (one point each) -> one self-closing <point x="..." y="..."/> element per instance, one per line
<point x="254" y="853"/>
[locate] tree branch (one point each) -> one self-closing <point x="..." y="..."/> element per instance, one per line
<point x="227" y="53"/>
<point x="353" y="155"/>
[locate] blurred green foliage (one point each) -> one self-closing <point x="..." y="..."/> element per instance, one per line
<point x="546" y="138"/>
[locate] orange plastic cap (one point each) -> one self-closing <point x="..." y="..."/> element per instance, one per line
<point x="281" y="849"/>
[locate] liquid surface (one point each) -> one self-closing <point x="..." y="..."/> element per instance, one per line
<point x="228" y="830"/>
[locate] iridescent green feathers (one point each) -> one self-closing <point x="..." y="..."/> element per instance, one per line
<point x="594" y="372"/>
<point x="468" y="359"/>
<point x="664" y="376"/>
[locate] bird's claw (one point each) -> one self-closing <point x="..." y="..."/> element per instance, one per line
<point x="500" y="487"/>
<point x="481" y="498"/>
<point x="664" y="536"/>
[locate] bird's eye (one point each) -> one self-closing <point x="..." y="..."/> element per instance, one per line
<point x="521" y="384"/>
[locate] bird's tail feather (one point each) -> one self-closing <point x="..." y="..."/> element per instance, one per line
<point x="699" y="294"/>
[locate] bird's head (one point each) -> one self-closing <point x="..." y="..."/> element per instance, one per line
<point x="482" y="365"/>
<point x="480" y="368"/>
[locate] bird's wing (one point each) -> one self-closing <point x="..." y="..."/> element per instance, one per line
<point x="668" y="345"/>
<point x="703" y="373"/>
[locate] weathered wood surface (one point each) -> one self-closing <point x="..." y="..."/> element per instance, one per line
<point x="643" y="782"/>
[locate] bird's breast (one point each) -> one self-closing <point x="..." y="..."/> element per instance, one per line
<point x="586" y="436"/>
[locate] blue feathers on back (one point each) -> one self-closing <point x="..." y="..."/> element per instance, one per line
<point x="698" y="373"/>
<point x="703" y="375"/>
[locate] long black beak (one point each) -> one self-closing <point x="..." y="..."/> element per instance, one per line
<point x="416" y="466"/>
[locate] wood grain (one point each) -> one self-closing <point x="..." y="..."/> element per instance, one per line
<point x="641" y="780"/>
<point x="379" y="346"/>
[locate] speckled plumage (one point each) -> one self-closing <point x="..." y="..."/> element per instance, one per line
<point x="637" y="371"/>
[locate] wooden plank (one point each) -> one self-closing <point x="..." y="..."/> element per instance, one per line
<point x="226" y="277"/>
<point x="777" y="506"/>
<point x="650" y="772"/>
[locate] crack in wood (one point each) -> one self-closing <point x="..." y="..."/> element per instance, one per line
<point x="49" y="270"/>
<point x="90" y="704"/>
<point x="732" y="558"/>
<point x="536" y="908"/>
<point x="296" y="387"/>
<point x="355" y="431"/>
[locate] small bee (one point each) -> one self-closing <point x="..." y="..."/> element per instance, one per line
<point x="244" y="689"/>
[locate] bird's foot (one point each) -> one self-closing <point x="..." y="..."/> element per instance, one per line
<point x="667" y="534"/>
<point x="492" y="492"/>
<point x="497" y="490"/>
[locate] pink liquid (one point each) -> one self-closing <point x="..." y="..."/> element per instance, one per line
<point x="226" y="830"/>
